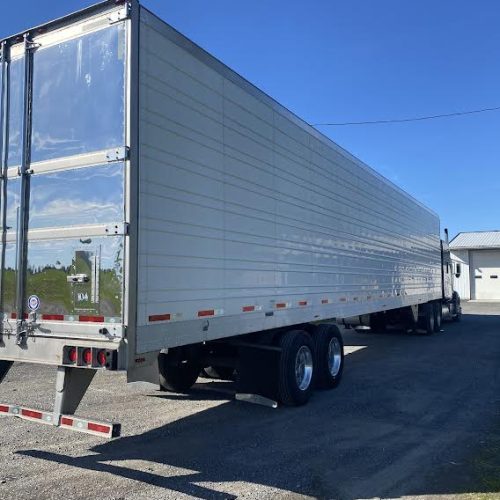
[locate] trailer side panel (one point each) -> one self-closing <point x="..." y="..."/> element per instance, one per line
<point x="249" y="219"/>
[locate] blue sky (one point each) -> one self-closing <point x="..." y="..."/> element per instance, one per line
<point x="353" y="60"/>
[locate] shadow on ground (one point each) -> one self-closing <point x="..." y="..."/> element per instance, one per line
<point x="408" y="419"/>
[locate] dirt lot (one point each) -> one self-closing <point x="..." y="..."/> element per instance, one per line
<point x="414" y="417"/>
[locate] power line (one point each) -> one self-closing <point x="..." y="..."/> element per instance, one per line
<point x="404" y="120"/>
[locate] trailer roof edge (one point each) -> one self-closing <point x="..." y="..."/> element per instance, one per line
<point x="96" y="8"/>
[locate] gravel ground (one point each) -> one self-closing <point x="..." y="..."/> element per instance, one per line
<point x="414" y="417"/>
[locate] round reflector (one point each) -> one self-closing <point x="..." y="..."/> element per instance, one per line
<point x="87" y="356"/>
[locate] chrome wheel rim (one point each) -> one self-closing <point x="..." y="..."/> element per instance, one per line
<point x="334" y="356"/>
<point x="303" y="367"/>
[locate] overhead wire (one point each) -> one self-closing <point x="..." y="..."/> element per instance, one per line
<point x="405" y="120"/>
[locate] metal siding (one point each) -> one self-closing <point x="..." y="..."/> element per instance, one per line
<point x="241" y="205"/>
<point x="477" y="239"/>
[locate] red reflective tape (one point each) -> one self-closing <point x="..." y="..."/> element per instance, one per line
<point x="303" y="303"/>
<point x="209" y="312"/>
<point x="159" y="317"/>
<point x="324" y="301"/>
<point x="248" y="309"/>
<point x="53" y="317"/>
<point x="14" y="315"/>
<point x="4" y="409"/>
<point x="66" y="421"/>
<point x="106" y="429"/>
<point x="281" y="305"/>
<point x="31" y="413"/>
<point x="91" y="319"/>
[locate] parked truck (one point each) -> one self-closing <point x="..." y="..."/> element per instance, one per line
<point x="162" y="216"/>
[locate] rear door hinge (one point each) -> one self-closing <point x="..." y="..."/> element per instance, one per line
<point x="121" y="228"/>
<point x="118" y="154"/>
<point x="120" y="15"/>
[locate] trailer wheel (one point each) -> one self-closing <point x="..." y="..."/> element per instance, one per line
<point x="296" y="368"/>
<point x="457" y="308"/>
<point x="438" y="316"/>
<point x="328" y="356"/>
<point x="177" y="374"/>
<point x="426" y="319"/>
<point x="219" y="372"/>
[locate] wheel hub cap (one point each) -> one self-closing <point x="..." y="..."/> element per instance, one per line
<point x="334" y="357"/>
<point x="303" y="368"/>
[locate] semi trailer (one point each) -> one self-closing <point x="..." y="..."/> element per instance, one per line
<point x="162" y="216"/>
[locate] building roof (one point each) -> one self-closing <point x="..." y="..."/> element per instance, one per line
<point x="476" y="239"/>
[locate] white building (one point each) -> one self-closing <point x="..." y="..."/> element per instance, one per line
<point x="476" y="258"/>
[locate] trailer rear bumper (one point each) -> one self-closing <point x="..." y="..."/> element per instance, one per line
<point x="52" y="350"/>
<point x="103" y="429"/>
<point x="71" y="385"/>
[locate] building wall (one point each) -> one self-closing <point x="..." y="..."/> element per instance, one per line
<point x="462" y="283"/>
<point x="485" y="274"/>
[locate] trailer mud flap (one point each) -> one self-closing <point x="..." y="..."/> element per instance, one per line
<point x="261" y="379"/>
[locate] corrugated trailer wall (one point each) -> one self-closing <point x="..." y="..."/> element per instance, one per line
<point x="249" y="219"/>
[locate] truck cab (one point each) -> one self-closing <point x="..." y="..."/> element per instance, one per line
<point x="451" y="300"/>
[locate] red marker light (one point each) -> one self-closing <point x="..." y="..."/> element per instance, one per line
<point x="101" y="357"/>
<point x="87" y="356"/>
<point x="72" y="356"/>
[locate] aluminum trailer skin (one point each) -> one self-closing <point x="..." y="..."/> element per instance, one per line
<point x="160" y="214"/>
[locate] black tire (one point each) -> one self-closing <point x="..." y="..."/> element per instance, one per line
<point x="328" y="372"/>
<point x="289" y="391"/>
<point x="177" y="374"/>
<point x="457" y="308"/>
<point x="426" y="319"/>
<point x="219" y="372"/>
<point x="438" y="316"/>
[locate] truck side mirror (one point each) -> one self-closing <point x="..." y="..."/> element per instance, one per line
<point x="458" y="270"/>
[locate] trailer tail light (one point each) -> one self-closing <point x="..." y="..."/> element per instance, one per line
<point x="87" y="356"/>
<point x="72" y="355"/>
<point x="101" y="358"/>
<point x="90" y="357"/>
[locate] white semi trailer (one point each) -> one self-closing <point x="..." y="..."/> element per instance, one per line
<point x="161" y="216"/>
